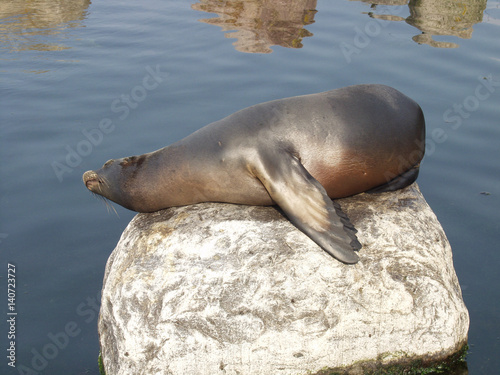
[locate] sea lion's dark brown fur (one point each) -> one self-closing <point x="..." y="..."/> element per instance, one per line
<point x="297" y="152"/>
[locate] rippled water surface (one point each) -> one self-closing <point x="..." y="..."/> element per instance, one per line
<point x="85" y="82"/>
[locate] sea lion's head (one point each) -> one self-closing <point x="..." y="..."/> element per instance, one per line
<point x="119" y="180"/>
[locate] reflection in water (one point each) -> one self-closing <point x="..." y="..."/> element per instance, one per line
<point x="260" y="24"/>
<point x="33" y="25"/>
<point x="438" y="17"/>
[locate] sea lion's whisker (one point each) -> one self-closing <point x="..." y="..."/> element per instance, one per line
<point x="107" y="203"/>
<point x="104" y="181"/>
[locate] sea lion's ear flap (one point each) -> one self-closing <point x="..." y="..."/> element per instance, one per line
<point x="306" y="203"/>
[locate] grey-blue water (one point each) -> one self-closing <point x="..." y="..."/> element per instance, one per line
<point x="85" y="82"/>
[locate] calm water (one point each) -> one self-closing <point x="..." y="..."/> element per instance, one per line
<point x="84" y="82"/>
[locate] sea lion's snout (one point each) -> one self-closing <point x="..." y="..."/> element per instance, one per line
<point x="91" y="180"/>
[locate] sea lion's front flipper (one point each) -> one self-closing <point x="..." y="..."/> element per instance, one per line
<point x="307" y="205"/>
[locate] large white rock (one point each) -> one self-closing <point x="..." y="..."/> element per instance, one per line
<point x="229" y="289"/>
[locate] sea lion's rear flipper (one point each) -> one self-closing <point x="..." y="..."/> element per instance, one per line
<point x="403" y="180"/>
<point x="307" y="205"/>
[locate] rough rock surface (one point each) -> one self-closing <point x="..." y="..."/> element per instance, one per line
<point x="228" y="289"/>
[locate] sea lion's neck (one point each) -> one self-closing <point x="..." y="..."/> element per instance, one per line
<point x="169" y="178"/>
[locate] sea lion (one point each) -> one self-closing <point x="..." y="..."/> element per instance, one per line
<point x="296" y="152"/>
